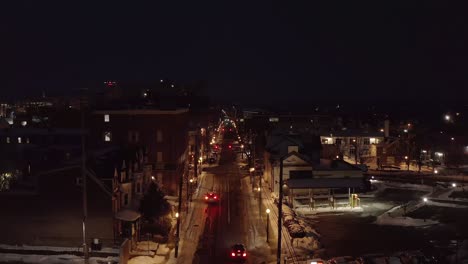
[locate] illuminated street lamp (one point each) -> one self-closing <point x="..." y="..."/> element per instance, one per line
<point x="425" y="199"/>
<point x="152" y="178"/>
<point x="448" y="117"/>
<point x="454" y="185"/>
<point x="268" y="220"/>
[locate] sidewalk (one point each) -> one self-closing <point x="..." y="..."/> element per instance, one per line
<point x="287" y="249"/>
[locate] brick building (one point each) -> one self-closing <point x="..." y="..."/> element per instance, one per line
<point x="164" y="133"/>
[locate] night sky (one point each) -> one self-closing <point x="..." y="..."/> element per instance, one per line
<point x="251" y="51"/>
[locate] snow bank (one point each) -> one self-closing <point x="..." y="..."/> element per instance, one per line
<point x="387" y="219"/>
<point x="54" y="259"/>
<point x="147" y="260"/>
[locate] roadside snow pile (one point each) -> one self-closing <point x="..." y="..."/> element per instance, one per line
<point x="291" y="223"/>
<point x="147" y="260"/>
<point x="163" y="250"/>
<point x="147" y="245"/>
<point x="306" y="237"/>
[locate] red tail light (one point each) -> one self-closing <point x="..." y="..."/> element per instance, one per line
<point x="244" y="255"/>
<point x="206" y="197"/>
<point x="233" y="254"/>
<point x="216" y="197"/>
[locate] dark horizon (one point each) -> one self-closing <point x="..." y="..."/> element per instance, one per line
<point x="257" y="53"/>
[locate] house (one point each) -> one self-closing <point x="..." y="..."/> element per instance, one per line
<point x="356" y="145"/>
<point x="130" y="181"/>
<point x="306" y="175"/>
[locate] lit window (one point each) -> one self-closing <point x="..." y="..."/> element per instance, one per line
<point x="27" y="140"/>
<point x="8" y="140"/>
<point x="106" y="118"/>
<point x="107" y="136"/>
<point x="19" y="140"/>
<point x="274" y="119"/>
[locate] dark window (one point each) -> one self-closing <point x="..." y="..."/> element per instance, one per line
<point x="126" y="199"/>
<point x="338" y="141"/>
<point x="366" y="141"/>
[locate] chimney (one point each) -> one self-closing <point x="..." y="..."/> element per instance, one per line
<point x="387" y="127"/>
<point x="293" y="148"/>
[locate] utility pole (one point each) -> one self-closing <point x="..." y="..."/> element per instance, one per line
<point x="83" y="174"/>
<point x="179" y="209"/>
<point x="280" y="213"/>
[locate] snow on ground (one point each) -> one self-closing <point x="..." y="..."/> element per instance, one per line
<point x="55" y="249"/>
<point x="53" y="259"/>
<point x="147" y="245"/>
<point x="147" y="260"/>
<point x="305" y="211"/>
<point x="163" y="250"/>
<point x="387" y="219"/>
<point x="446" y="204"/>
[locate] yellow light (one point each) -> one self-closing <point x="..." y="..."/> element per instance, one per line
<point x="177" y="215"/>
<point x="267" y="210"/>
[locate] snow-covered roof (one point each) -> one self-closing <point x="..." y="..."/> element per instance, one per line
<point x="325" y="183"/>
<point x="127" y="215"/>
<point x="340" y="165"/>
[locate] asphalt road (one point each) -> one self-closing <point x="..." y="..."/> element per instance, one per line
<point x="224" y="225"/>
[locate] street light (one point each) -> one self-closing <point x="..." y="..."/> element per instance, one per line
<point x="454" y="185"/>
<point x="425" y="199"/>
<point x="268" y="220"/>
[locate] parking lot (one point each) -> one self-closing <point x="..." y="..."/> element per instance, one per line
<point x="355" y="233"/>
